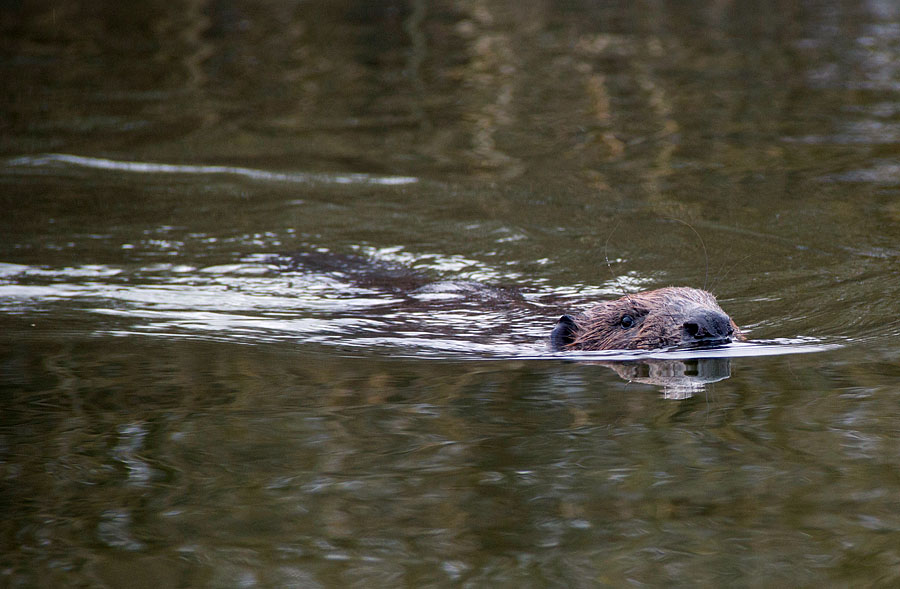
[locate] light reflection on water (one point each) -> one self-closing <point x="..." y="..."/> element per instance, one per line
<point x="58" y="159"/>
<point x="254" y="301"/>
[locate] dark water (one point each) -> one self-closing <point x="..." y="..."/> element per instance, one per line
<point x="276" y="278"/>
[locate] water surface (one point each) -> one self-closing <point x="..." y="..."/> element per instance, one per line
<point x="276" y="280"/>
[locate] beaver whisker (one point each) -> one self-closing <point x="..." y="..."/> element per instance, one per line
<point x="702" y="245"/>
<point x="728" y="271"/>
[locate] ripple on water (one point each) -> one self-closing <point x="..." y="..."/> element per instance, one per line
<point x="256" y="301"/>
<point x="50" y="161"/>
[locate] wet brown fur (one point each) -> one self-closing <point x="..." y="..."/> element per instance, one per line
<point x="658" y="320"/>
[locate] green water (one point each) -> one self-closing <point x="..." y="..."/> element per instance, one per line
<point x="183" y="406"/>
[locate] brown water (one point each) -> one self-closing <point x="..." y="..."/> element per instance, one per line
<point x="276" y="280"/>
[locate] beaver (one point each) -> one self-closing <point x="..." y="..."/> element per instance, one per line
<point x="673" y="316"/>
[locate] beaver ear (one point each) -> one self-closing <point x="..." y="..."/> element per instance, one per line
<point x="563" y="334"/>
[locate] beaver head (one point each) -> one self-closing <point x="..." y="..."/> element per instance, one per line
<point x="673" y="316"/>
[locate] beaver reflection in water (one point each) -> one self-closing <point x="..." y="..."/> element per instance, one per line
<point x="674" y="316"/>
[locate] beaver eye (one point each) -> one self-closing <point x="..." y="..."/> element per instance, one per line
<point x="626" y="321"/>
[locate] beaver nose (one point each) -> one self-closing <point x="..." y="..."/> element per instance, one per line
<point x="705" y="325"/>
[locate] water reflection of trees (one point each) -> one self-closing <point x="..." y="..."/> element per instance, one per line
<point x="269" y="460"/>
<point x="453" y="86"/>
